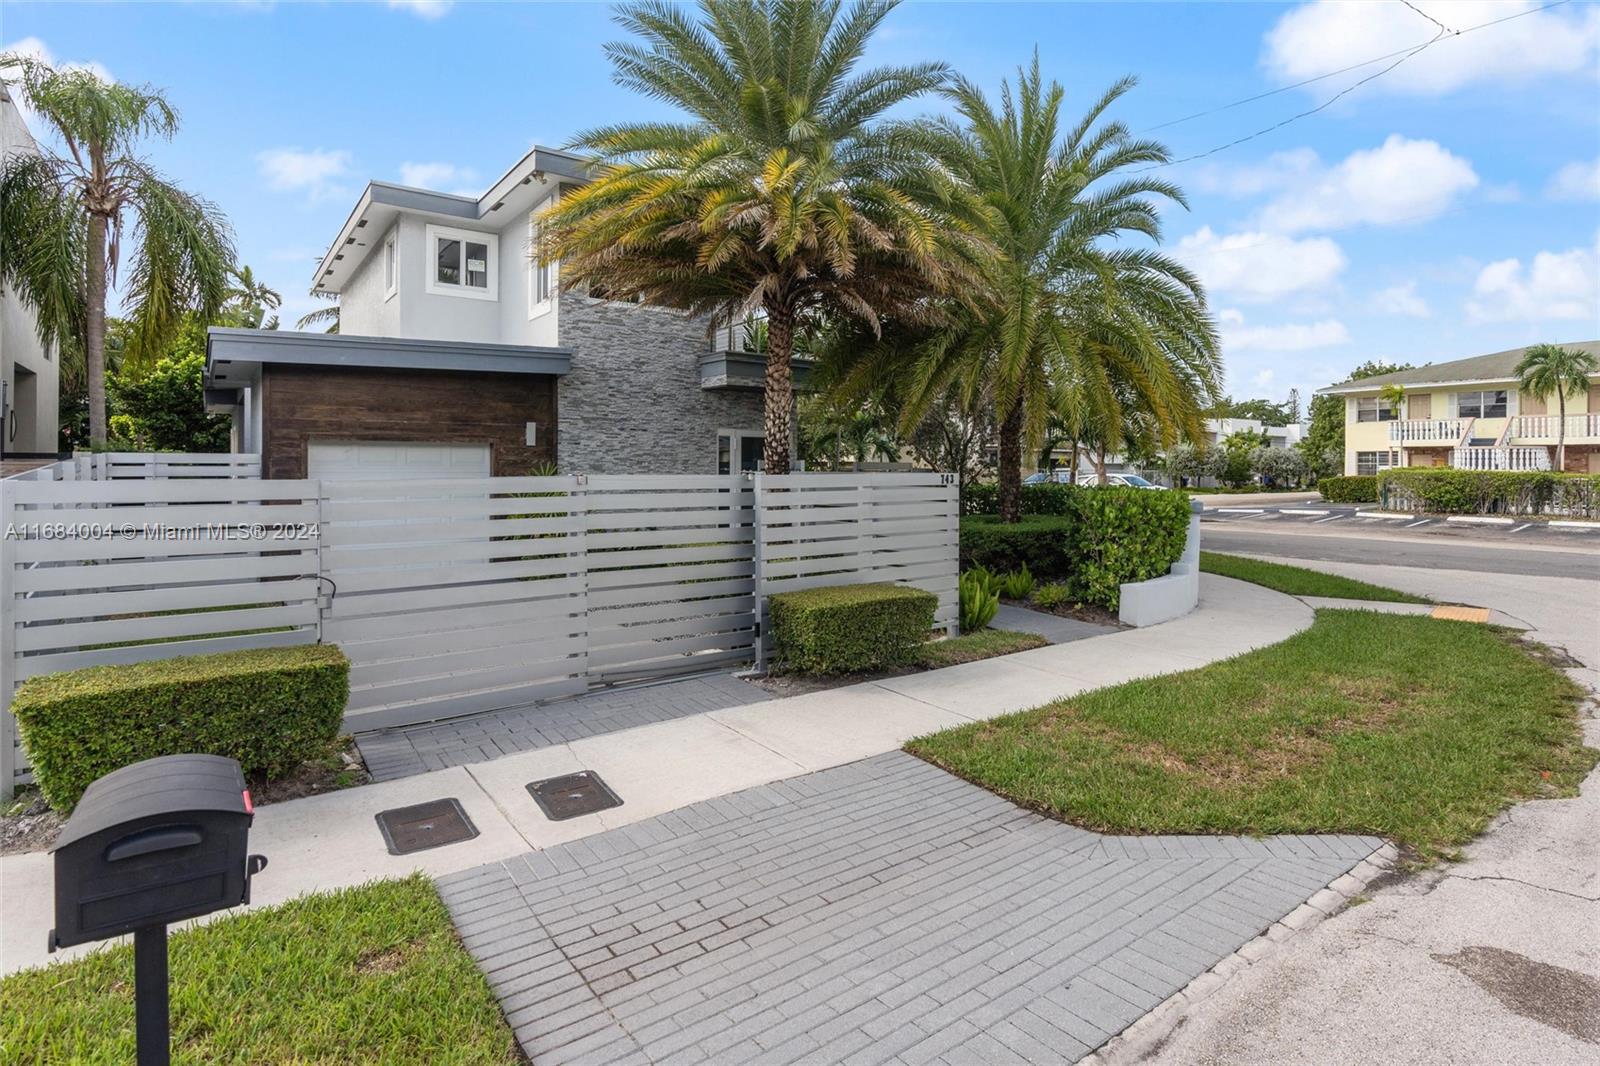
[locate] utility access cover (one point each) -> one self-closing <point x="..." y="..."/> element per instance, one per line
<point x="425" y="825"/>
<point x="576" y="794"/>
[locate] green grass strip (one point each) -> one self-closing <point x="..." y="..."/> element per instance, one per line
<point x="1406" y="727"/>
<point x="970" y="647"/>
<point x="1298" y="581"/>
<point x="365" y="975"/>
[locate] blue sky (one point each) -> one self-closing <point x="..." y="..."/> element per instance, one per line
<point x="1447" y="208"/>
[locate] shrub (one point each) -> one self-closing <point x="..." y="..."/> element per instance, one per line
<point x="1042" y="543"/>
<point x="1361" y="488"/>
<point x="269" y="708"/>
<point x="846" y="628"/>
<point x="979" y="602"/>
<point x="1046" y="498"/>
<point x="1513" y="492"/>
<point x="1053" y="595"/>
<point x="1017" y="585"/>
<point x="987" y="580"/>
<point x="1125" y="535"/>
<point x="1110" y="535"/>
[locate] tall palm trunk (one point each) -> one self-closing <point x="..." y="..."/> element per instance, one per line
<point x="779" y="398"/>
<point x="1011" y="464"/>
<point x="94" y="338"/>
<point x="1561" y="430"/>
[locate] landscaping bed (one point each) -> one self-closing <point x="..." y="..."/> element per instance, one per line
<point x="967" y="648"/>
<point x="29" y="824"/>
<point x="1299" y="581"/>
<point x="364" y="975"/>
<point x="1407" y="727"/>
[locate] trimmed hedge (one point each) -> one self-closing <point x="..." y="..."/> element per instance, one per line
<point x="1437" y="490"/>
<point x="1103" y="537"/>
<point x="1356" y="488"/>
<point x="269" y="708"/>
<point x="1125" y="535"/>
<point x="849" y="628"/>
<point x="1045" y="498"/>
<point x="1042" y="543"/>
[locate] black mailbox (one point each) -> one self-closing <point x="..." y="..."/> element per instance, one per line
<point x="152" y="843"/>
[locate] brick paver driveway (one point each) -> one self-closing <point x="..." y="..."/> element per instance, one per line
<point x="881" y="911"/>
<point x="475" y="738"/>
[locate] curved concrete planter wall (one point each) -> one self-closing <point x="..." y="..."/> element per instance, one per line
<point x="1173" y="595"/>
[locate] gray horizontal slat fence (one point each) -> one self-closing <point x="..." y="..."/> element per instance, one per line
<point x="448" y="596"/>
<point x="96" y="572"/>
<point x="848" y="529"/>
<point x="671" y="574"/>
<point x="455" y="596"/>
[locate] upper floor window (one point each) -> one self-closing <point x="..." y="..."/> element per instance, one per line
<point x="1375" y="409"/>
<point x="541" y="275"/>
<point x="462" y="263"/>
<point x="391" y="266"/>
<point x="1488" y="404"/>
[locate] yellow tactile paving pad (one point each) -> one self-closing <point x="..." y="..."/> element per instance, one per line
<point x="1462" y="614"/>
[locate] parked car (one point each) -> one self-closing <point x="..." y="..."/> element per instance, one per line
<point x="1089" y="477"/>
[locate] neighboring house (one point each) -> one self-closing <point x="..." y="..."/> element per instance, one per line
<point x="29" y="371"/>
<point x="1220" y="429"/>
<point x="1466" y="413"/>
<point x="459" y="355"/>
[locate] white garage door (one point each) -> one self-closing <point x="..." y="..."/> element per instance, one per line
<point x="392" y="461"/>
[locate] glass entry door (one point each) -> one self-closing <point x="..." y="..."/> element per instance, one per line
<point x="738" y="446"/>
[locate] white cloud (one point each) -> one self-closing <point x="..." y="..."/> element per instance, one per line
<point x="1399" y="181"/>
<point x="1402" y="300"/>
<point x="438" y="176"/>
<point x="428" y="9"/>
<point x="1327" y="35"/>
<point x="1254" y="267"/>
<point x="1576" y="181"/>
<point x="1555" y="286"/>
<point x="1278" y="171"/>
<point x="1288" y="337"/>
<point x="316" y="172"/>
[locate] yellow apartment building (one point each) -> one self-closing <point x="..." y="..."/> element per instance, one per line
<point x="1467" y="413"/>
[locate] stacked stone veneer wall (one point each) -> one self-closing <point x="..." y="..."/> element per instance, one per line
<point x="633" y="402"/>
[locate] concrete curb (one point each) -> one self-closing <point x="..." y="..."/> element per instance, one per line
<point x="1145" y="1036"/>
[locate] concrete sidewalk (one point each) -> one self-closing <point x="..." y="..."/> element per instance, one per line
<point x="330" y="841"/>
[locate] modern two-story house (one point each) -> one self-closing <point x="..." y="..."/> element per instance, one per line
<point x="1466" y="413"/>
<point x="460" y="355"/>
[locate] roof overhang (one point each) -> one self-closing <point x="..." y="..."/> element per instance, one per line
<point x="520" y="189"/>
<point x="234" y="357"/>
<point x="744" y="370"/>
<point x="1351" y="387"/>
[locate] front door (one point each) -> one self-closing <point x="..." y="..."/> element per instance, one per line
<point x="739" y="450"/>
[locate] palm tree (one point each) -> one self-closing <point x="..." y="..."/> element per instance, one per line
<point x="250" y="300"/>
<point x="63" y="219"/>
<point x="1079" y="327"/>
<point x="1550" y="368"/>
<point x="784" y="190"/>
<point x="327" y="317"/>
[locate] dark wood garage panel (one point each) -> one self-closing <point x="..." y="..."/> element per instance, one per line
<point x="301" y="403"/>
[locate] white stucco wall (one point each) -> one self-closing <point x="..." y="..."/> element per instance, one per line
<point x="30" y="370"/>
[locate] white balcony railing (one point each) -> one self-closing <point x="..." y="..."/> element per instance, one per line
<point x="1543" y="427"/>
<point x="1500" y="458"/>
<point x="1427" y="430"/>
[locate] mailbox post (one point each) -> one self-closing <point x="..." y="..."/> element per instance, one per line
<point x="156" y="842"/>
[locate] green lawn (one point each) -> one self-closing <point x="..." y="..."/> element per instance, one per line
<point x="1402" y="726"/>
<point x="1298" y="581"/>
<point x="970" y="647"/>
<point x="366" y="975"/>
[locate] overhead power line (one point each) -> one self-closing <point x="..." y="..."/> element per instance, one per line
<point x="1406" y="52"/>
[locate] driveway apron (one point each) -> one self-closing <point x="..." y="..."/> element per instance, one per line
<point x="879" y="911"/>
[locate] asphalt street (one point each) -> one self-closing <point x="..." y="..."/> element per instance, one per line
<point x="1362" y="544"/>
